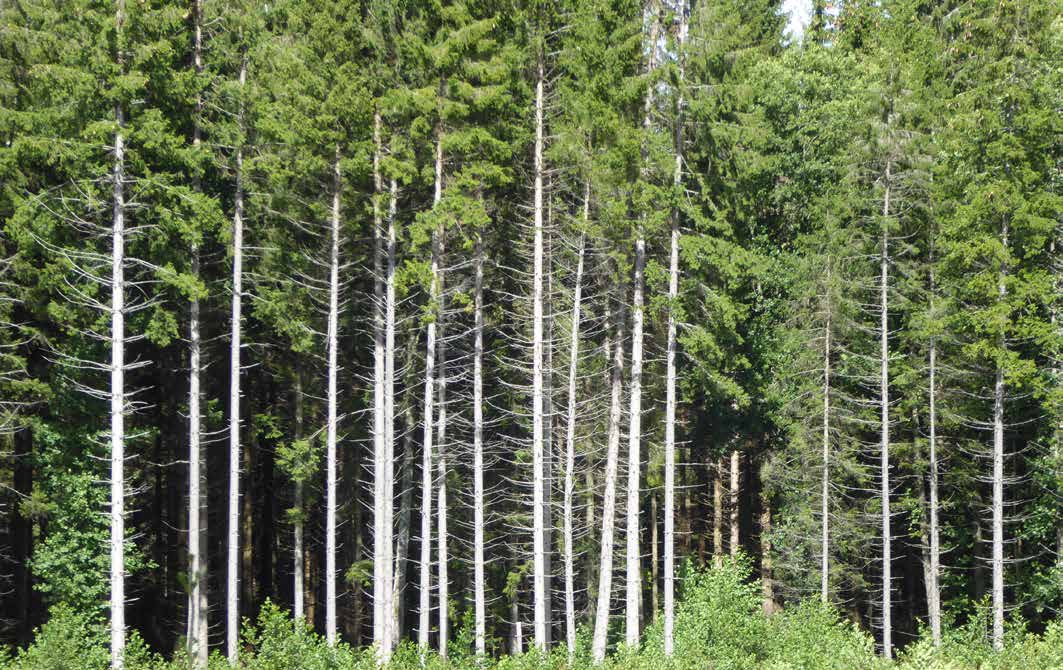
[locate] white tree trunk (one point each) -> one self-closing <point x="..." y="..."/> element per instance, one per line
<point x="998" y="475"/>
<point x="197" y="633"/>
<point x="634" y="453"/>
<point x="331" y="427"/>
<point x="605" y="569"/>
<point x="884" y="395"/>
<point x="381" y="534"/>
<point x="232" y="600"/>
<point x="933" y="589"/>
<point x="736" y="496"/>
<point x="671" y="349"/>
<point x="538" y="483"/>
<point x="570" y="440"/>
<point x="118" y="388"/>
<point x="441" y="436"/>
<point x="391" y="595"/>
<point x="478" y="453"/>
<point x="298" y="580"/>
<point x="427" y="488"/>
<point x="824" y="569"/>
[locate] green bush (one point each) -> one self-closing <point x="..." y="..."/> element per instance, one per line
<point x="719" y="626"/>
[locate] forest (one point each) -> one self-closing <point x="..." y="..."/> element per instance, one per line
<point x="525" y="334"/>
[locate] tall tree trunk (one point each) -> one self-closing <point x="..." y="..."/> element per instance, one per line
<point x="118" y="376"/>
<point x="767" y="578"/>
<point x="736" y="498"/>
<point x="998" y="472"/>
<point x="298" y="579"/>
<point x="824" y="570"/>
<point x="391" y="631"/>
<point x="671" y="350"/>
<point x="478" y="453"/>
<point x="884" y="395"/>
<point x="570" y="439"/>
<point x="605" y="570"/>
<point x="382" y="535"/>
<point x="331" y="419"/>
<point x="441" y="436"/>
<point x="198" y="632"/>
<point x="427" y="462"/>
<point x="232" y="601"/>
<point x="717" y="513"/>
<point x="402" y="544"/>
<point x="539" y="594"/>
<point x="655" y="575"/>
<point x="933" y="589"/>
<point x="634" y="452"/>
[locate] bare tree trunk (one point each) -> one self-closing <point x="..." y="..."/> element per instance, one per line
<point x="634" y="454"/>
<point x="402" y="545"/>
<point x="824" y="570"/>
<point x="118" y="378"/>
<point x="232" y="604"/>
<point x="538" y="457"/>
<point x="671" y="347"/>
<point x="884" y="393"/>
<point x="441" y="435"/>
<point x="933" y="589"/>
<point x="736" y="497"/>
<point x="605" y="570"/>
<point x="197" y="635"/>
<point x="382" y="534"/>
<point x="654" y="560"/>
<point x="570" y="440"/>
<point x="717" y="513"/>
<point x="998" y="475"/>
<point x="391" y="631"/>
<point x="298" y="585"/>
<point x="331" y="431"/>
<point x="429" y="398"/>
<point x="478" y="453"/>
<point x="767" y="580"/>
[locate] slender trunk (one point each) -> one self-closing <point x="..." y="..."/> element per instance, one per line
<point x="605" y="570"/>
<point x="570" y="440"/>
<point x="767" y="581"/>
<point x="634" y="454"/>
<point x="381" y="533"/>
<point x="441" y="435"/>
<point x="671" y="349"/>
<point x="427" y="462"/>
<point x="232" y="604"/>
<point x="824" y="570"/>
<point x="118" y="379"/>
<point x="298" y="584"/>
<point x="655" y="575"/>
<point x="539" y="594"/>
<point x="933" y="590"/>
<point x="717" y="513"/>
<point x="331" y="427"/>
<point x="736" y="496"/>
<point x="478" y="452"/>
<point x="402" y="544"/>
<point x="391" y="631"/>
<point x="516" y="641"/>
<point x="884" y="394"/>
<point x="998" y="474"/>
<point x="197" y="634"/>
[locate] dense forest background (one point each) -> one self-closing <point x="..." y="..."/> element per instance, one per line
<point x="476" y="322"/>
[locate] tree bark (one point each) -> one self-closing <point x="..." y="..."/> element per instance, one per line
<point x="884" y="395"/>
<point x="391" y="631"/>
<point x="570" y="440"/>
<point x="478" y="454"/>
<point x="933" y="589"/>
<point x="232" y="603"/>
<point x="824" y="570"/>
<point x="998" y="472"/>
<point x="736" y="497"/>
<point x="605" y="570"/>
<point x="118" y="376"/>
<point x="298" y="579"/>
<point x="717" y="513"/>
<point x="538" y="457"/>
<point x="198" y="633"/>
<point x="332" y="402"/>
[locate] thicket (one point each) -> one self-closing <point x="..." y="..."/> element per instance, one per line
<point x="720" y="624"/>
